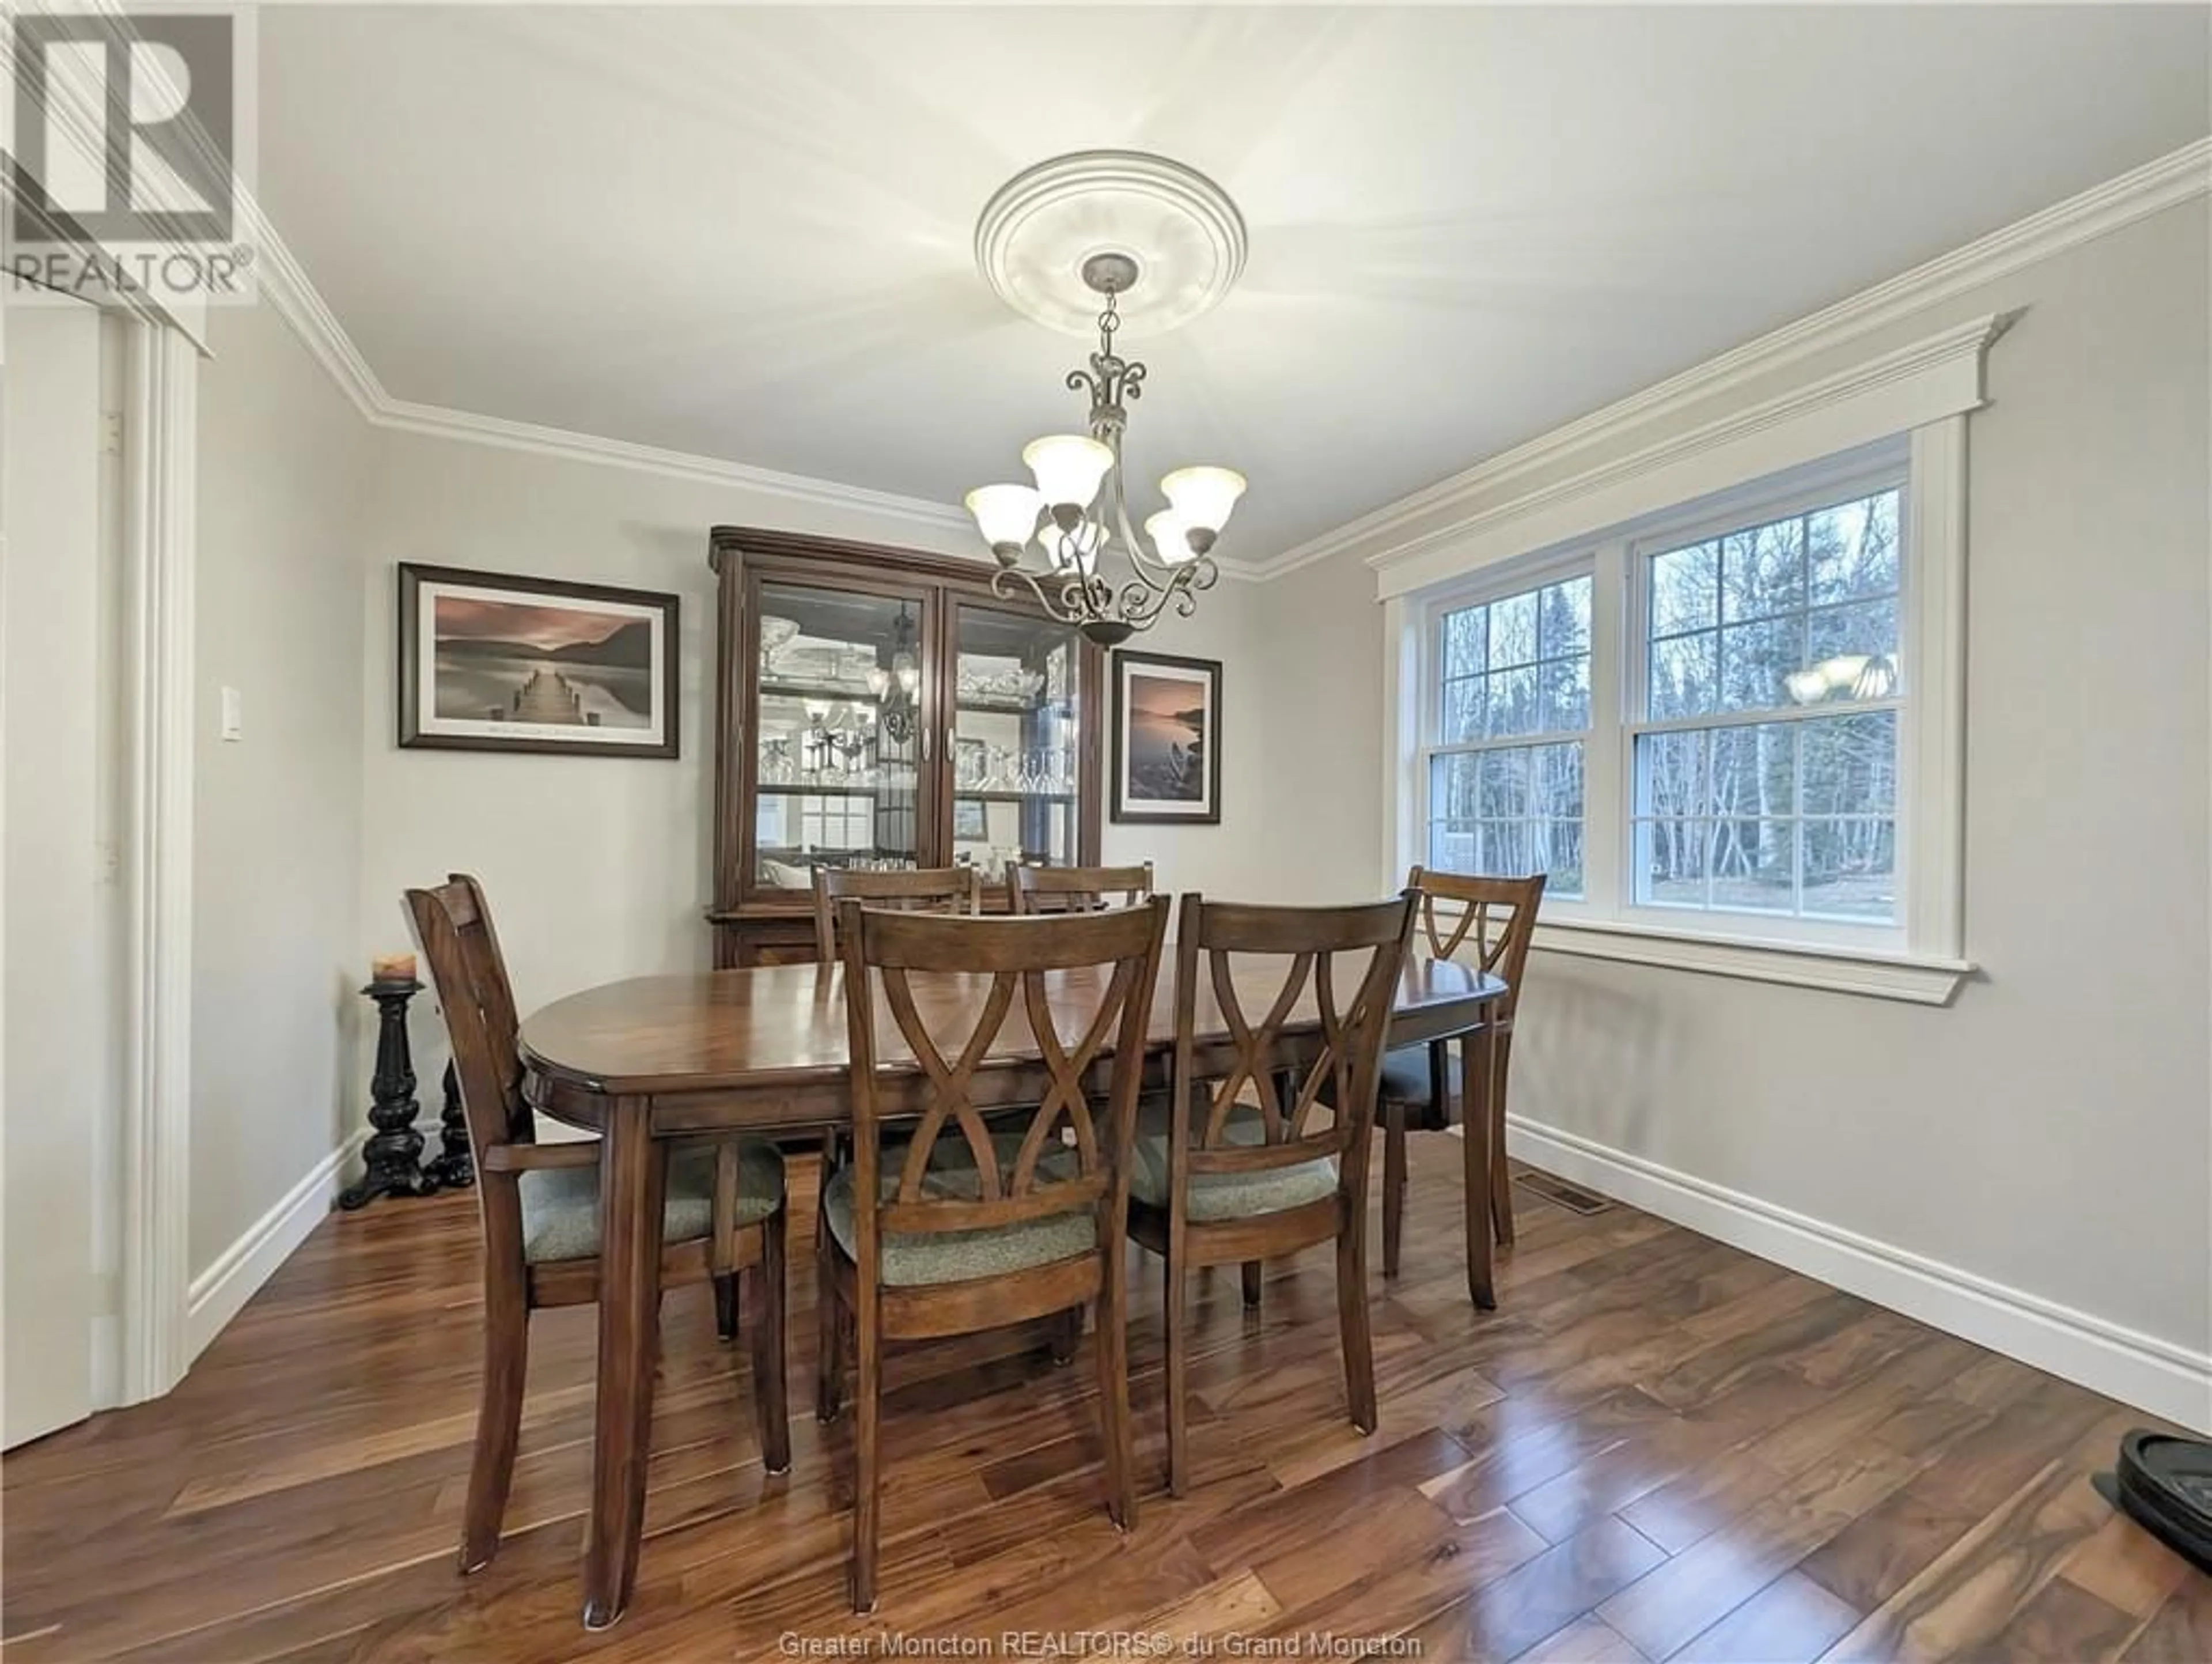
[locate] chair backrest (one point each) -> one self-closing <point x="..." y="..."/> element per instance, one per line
<point x="919" y="889"/>
<point x="1079" y="889"/>
<point x="1265" y="960"/>
<point x="1493" y="919"/>
<point x="951" y="1022"/>
<point x="452" y="926"/>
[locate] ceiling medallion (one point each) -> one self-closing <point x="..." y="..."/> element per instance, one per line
<point x="1042" y="225"/>
<point x="1101" y="240"/>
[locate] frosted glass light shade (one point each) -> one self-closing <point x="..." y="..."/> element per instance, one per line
<point x="1170" y="538"/>
<point x="1068" y="467"/>
<point x="1004" y="514"/>
<point x="1203" y="497"/>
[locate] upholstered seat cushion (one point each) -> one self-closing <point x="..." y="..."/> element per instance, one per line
<point x="917" y="1259"/>
<point x="561" y="1205"/>
<point x="1224" y="1195"/>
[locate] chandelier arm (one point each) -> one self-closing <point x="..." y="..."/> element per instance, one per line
<point x="1060" y="612"/>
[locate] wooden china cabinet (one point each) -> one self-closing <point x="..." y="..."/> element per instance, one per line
<point x="878" y="708"/>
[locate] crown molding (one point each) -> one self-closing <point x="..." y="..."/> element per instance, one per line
<point x="285" y="282"/>
<point x="1894" y="393"/>
<point x="1446" y="506"/>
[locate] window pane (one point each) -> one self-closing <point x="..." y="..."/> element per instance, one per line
<point x="1851" y="548"/>
<point x="1670" y="863"/>
<point x="1465" y="632"/>
<point x="1754" y="769"/>
<point x="1850" y="763"/>
<point x="1513" y="630"/>
<point x="1685" y="590"/>
<point x="1795" y="819"/>
<point x="1563" y="695"/>
<point x="1452" y="847"/>
<point x="1557" y="851"/>
<point x="1854" y="630"/>
<point x="1755" y="660"/>
<point x="1563" y="622"/>
<point x="1851" y="868"/>
<point x="1671" y="779"/>
<point x="1513" y="707"/>
<point x="1509" y="811"/>
<point x="1451" y="786"/>
<point x="1501" y="783"/>
<point x="1753" y="865"/>
<point x="1464" y="704"/>
<point x="1555" y="781"/>
<point x="1685" y="676"/>
<point x="1763" y="572"/>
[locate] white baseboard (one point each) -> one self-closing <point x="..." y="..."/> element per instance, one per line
<point x="2138" y="1369"/>
<point x="218" y="1293"/>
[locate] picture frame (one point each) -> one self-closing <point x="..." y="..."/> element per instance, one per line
<point x="1166" y="751"/>
<point x="970" y="825"/>
<point x="501" y="661"/>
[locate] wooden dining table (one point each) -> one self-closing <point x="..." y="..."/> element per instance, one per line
<point x="653" y="1060"/>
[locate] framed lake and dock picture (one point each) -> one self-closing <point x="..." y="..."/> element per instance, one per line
<point x="491" y="662"/>
<point x="1167" y="739"/>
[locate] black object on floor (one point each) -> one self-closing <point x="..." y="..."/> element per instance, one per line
<point x="2164" y="1484"/>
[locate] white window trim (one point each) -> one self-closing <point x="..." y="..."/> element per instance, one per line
<point x="1807" y="435"/>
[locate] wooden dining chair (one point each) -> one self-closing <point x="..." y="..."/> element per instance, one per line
<point x="540" y="1208"/>
<point x="1490" y="922"/>
<point x="917" y="889"/>
<point x="1079" y="889"/>
<point x="998" y="1227"/>
<point x="1240" y="1165"/>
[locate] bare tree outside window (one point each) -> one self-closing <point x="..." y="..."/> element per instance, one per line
<point x="1505" y="781"/>
<point x="1766" y="765"/>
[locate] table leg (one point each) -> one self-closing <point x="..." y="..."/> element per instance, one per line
<point x="632" y="1184"/>
<point x="1474" y="1064"/>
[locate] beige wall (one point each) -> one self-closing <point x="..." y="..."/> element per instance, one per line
<point x="2053" y="1130"/>
<point x="278" y="822"/>
<point x="599" y="867"/>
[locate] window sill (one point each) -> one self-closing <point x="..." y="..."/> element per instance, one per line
<point x="1916" y="979"/>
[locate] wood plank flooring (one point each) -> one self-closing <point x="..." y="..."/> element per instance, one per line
<point x="1657" y="1447"/>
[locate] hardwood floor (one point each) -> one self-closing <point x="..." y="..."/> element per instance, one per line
<point x="1656" y="1448"/>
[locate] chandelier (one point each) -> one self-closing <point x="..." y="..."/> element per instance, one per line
<point x="1068" y="539"/>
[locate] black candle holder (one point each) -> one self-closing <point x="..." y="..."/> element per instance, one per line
<point x="394" y="1152"/>
<point x="455" y="1168"/>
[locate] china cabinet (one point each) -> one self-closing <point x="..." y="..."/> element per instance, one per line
<point x="881" y="708"/>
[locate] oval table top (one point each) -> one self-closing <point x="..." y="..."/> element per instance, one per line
<point x="784" y="1025"/>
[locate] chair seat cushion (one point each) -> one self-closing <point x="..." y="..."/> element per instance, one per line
<point x="1224" y="1195"/>
<point x="561" y="1205"/>
<point x="918" y="1259"/>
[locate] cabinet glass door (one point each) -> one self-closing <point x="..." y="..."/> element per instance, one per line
<point x="838" y="758"/>
<point x="1016" y="752"/>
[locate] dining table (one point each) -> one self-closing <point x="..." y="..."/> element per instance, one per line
<point x="651" y="1061"/>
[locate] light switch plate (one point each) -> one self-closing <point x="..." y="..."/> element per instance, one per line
<point x="233" y="714"/>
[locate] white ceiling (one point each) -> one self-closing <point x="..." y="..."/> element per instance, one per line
<point x="745" y="232"/>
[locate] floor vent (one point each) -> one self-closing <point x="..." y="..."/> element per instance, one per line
<point x="1572" y="1198"/>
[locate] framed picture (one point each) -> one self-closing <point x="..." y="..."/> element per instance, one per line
<point x="1167" y="739"/>
<point x="968" y="826"/>
<point x="490" y="661"/>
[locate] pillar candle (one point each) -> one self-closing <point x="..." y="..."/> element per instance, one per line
<point x="392" y="968"/>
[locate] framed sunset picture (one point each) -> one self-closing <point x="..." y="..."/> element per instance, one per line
<point x="490" y="661"/>
<point x="1167" y="739"/>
